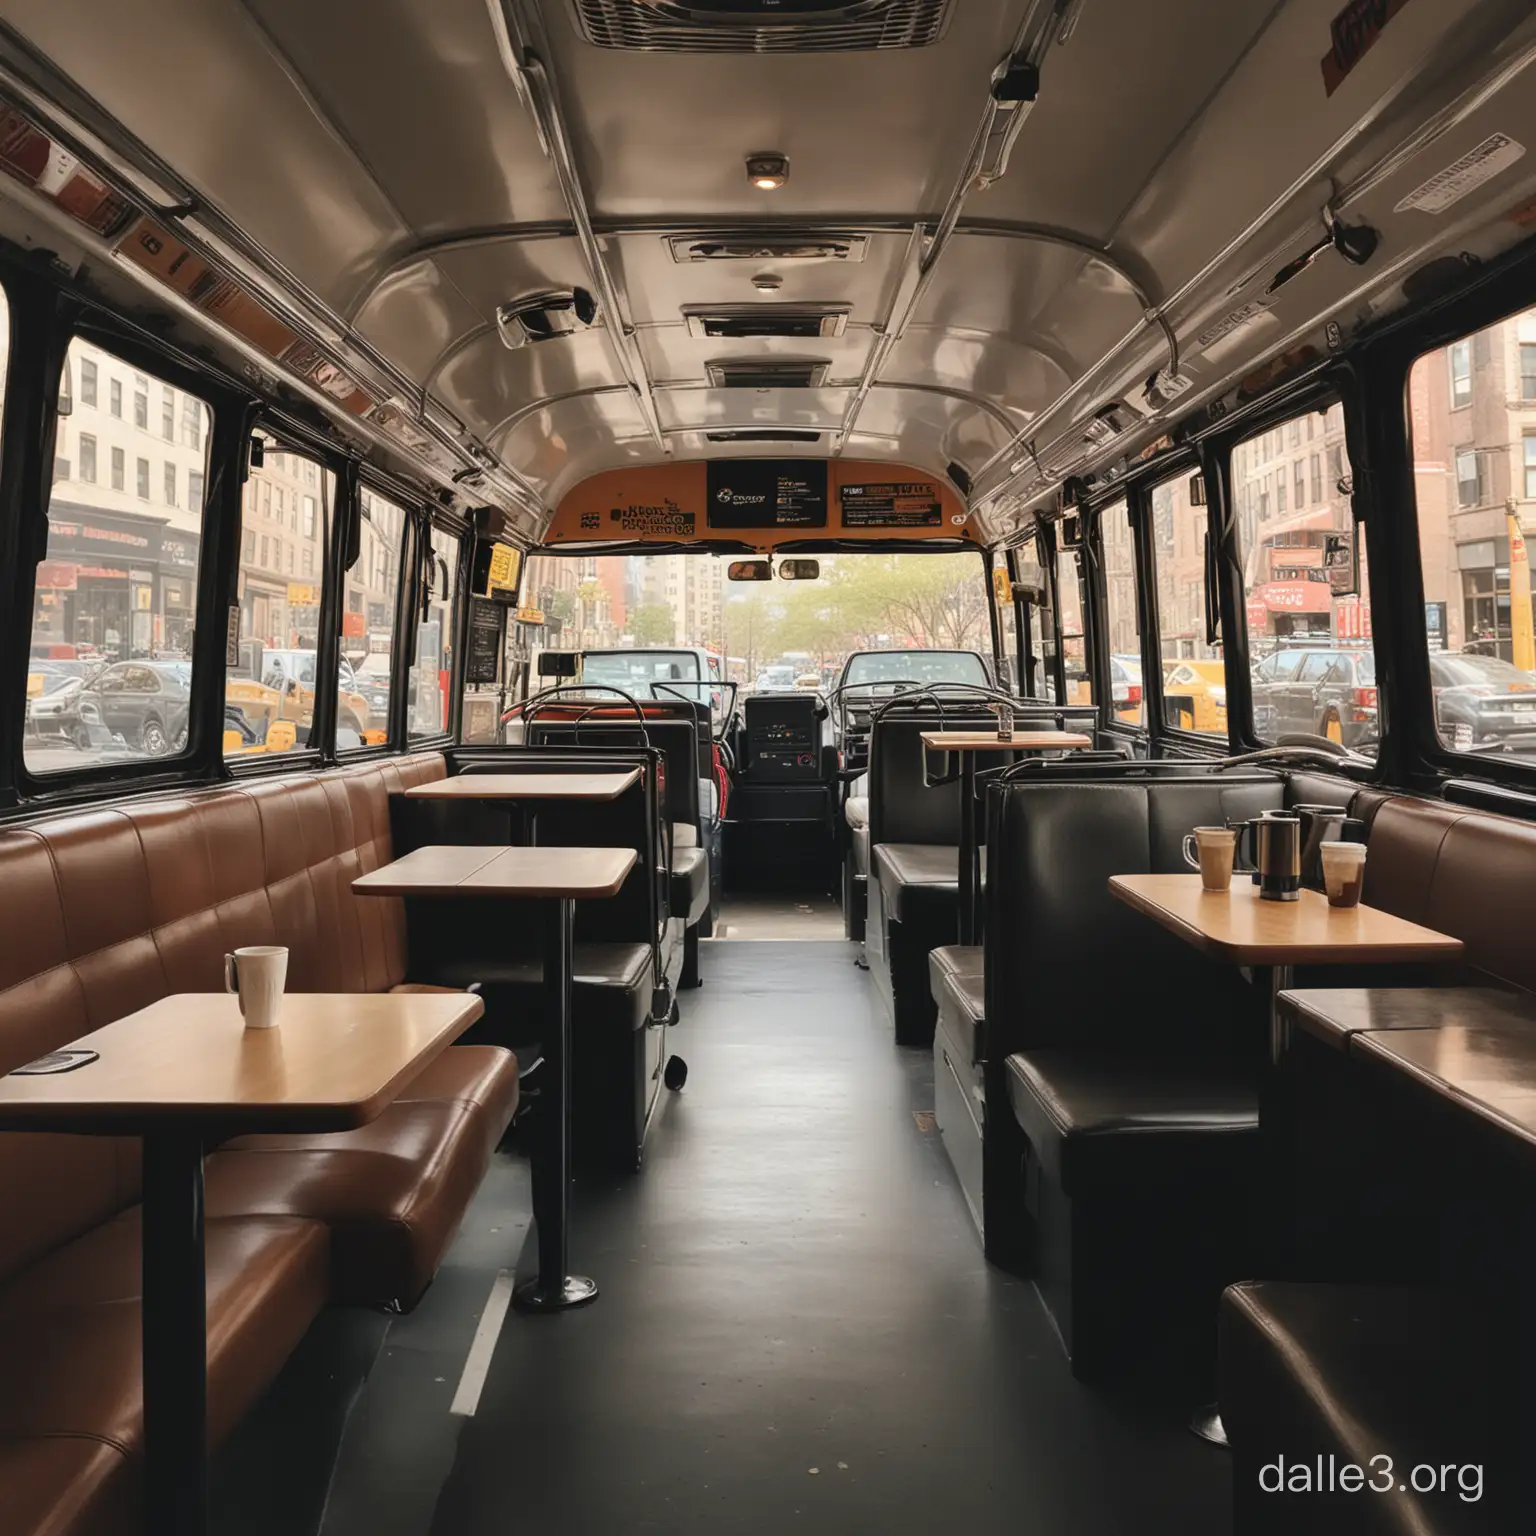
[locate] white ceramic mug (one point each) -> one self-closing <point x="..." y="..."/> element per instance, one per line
<point x="258" y="974"/>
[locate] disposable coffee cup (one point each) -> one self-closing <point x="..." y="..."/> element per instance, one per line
<point x="1211" y="850"/>
<point x="1343" y="873"/>
<point x="257" y="975"/>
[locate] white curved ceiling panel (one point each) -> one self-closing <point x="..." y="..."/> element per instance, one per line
<point x="668" y="134"/>
<point x="483" y="382"/>
<point x="414" y="316"/>
<point x="199" y="83"/>
<point x="419" y="87"/>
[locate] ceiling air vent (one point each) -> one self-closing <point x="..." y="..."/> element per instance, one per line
<point x="767" y="373"/>
<point x="742" y="321"/>
<point x="791" y="247"/>
<point x="761" y="26"/>
<point x="764" y="435"/>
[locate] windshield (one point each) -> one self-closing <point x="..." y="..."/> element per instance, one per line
<point x="623" y="669"/>
<point x="654" y="618"/>
<point x="916" y="667"/>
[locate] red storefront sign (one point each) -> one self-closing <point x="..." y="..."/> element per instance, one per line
<point x="58" y="575"/>
<point x="1294" y="597"/>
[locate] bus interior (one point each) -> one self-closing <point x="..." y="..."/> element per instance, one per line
<point x="767" y="765"/>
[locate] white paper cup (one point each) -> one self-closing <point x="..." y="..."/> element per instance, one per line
<point x="257" y="974"/>
<point x="1343" y="873"/>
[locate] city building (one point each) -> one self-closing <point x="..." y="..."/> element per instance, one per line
<point x="1473" y="411"/>
<point x="124" y="514"/>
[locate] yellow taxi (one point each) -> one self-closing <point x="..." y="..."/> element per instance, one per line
<point x="1196" y="695"/>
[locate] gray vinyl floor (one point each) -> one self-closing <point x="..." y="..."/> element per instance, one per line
<point x="796" y="1332"/>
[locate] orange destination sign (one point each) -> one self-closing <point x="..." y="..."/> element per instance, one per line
<point x="761" y="503"/>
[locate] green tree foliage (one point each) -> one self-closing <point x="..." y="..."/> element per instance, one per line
<point x="651" y="624"/>
<point x="876" y="602"/>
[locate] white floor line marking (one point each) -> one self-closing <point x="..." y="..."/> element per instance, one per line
<point x="478" y="1362"/>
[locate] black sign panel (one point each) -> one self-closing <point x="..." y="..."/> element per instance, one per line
<point x="891" y="504"/>
<point x="767" y="493"/>
<point x="487" y="635"/>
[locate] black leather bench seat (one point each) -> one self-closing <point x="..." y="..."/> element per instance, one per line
<point x="920" y="879"/>
<point x="1348" y="1372"/>
<point x="1103" y="1119"/>
<point x="958" y="982"/>
<point x="689" y="894"/>
<point x="610" y="984"/>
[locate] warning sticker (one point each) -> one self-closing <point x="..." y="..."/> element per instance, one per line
<point x="893" y="504"/>
<point x="1496" y="153"/>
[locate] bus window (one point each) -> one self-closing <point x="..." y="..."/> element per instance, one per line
<point x="285" y="517"/>
<point x="370" y="596"/>
<point x="1303" y="598"/>
<point x="110" y="678"/>
<point x="1119" y="549"/>
<point x="1069" y="599"/>
<point x="1194" y="674"/>
<point x="431" y="677"/>
<point x="1472" y="411"/>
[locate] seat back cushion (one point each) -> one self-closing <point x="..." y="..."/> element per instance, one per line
<point x="1460" y="871"/>
<point x="1068" y="964"/>
<point x="106" y="911"/>
<point x="902" y="807"/>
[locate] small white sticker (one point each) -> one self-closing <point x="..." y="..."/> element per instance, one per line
<point x="232" y="637"/>
<point x="56" y="173"/>
<point x="1229" y="323"/>
<point x="1496" y="153"/>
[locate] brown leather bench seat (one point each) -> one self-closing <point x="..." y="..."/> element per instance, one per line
<point x="1328" y="1376"/>
<point x="105" y="911"/>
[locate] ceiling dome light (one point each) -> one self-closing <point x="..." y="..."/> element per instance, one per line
<point x="767" y="282"/>
<point x="767" y="172"/>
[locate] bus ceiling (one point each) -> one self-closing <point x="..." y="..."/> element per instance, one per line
<point x="1061" y="231"/>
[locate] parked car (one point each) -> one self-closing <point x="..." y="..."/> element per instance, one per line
<point x="1195" y="693"/>
<point x="1481" y="700"/>
<point x="371" y="681"/>
<point x="51" y="690"/>
<point x="1126" y="688"/>
<point x="143" y="702"/>
<point x="1316" y="691"/>
<point x="286" y="691"/>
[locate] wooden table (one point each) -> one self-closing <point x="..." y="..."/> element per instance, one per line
<point x="966" y="745"/>
<point x="558" y="878"/>
<point x="185" y="1073"/>
<point x="528" y="786"/>
<point x="523" y="793"/>
<point x="1488" y="1070"/>
<point x="1238" y="927"/>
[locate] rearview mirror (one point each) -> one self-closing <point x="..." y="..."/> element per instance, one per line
<point x="557" y="664"/>
<point x="749" y="570"/>
<point x="799" y="570"/>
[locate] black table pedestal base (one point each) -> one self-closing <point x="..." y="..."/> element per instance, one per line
<point x="556" y="1289"/>
<point x="574" y="1291"/>
<point x="175" y="1337"/>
